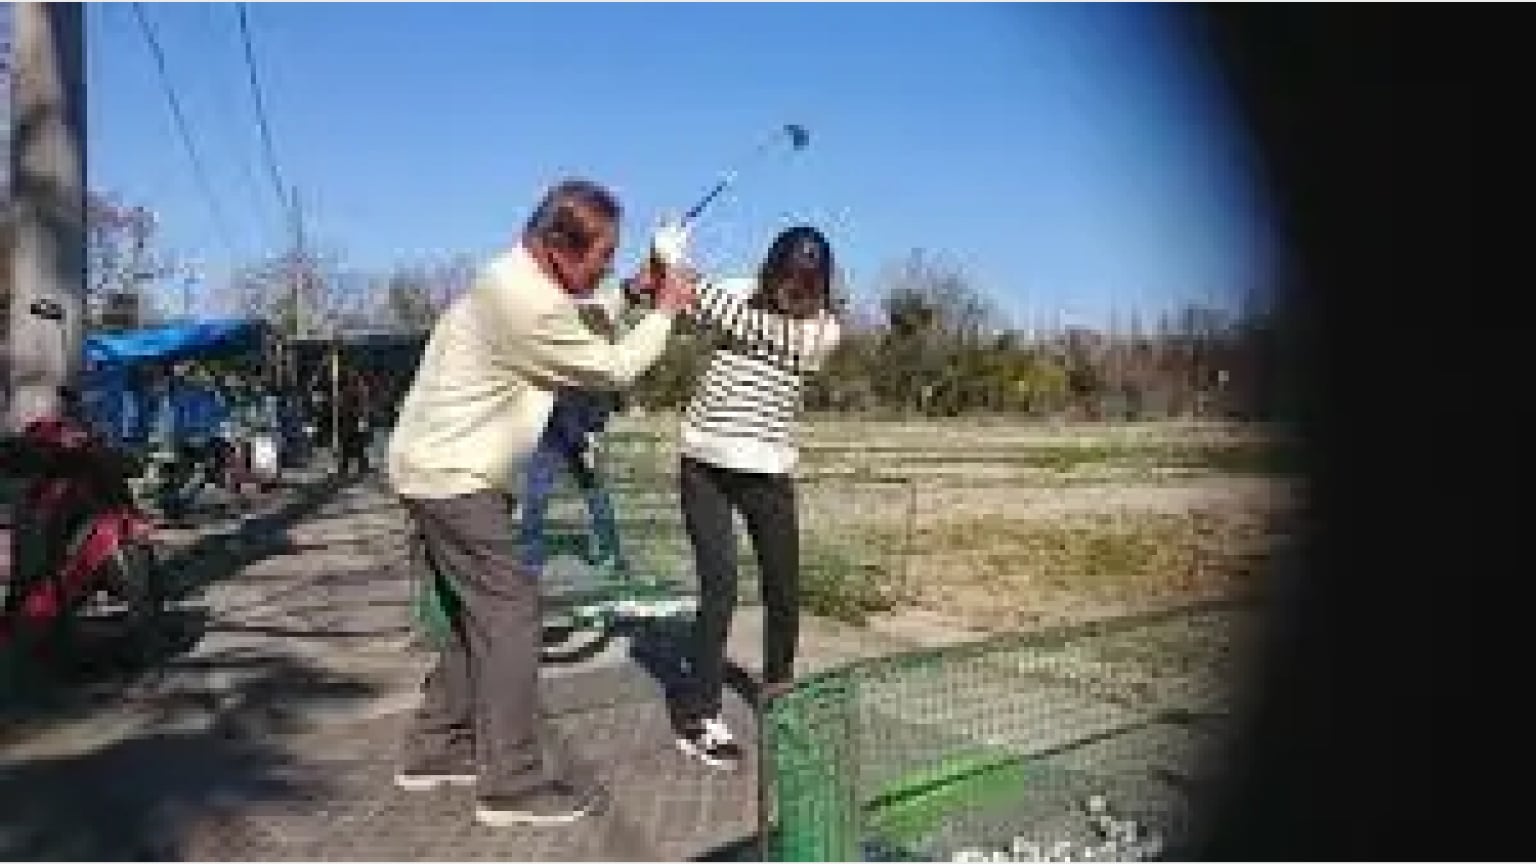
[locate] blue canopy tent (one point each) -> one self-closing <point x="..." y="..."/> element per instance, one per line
<point x="111" y="392"/>
<point x="173" y="343"/>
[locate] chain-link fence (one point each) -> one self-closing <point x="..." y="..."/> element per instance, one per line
<point x="1076" y="743"/>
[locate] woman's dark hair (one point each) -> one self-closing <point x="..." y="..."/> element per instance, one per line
<point x="796" y="276"/>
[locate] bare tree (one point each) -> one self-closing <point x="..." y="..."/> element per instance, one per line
<point x="298" y="292"/>
<point x="123" y="261"/>
<point x="411" y="297"/>
<point x="409" y="300"/>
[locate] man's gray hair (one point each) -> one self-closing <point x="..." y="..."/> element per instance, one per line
<point x="563" y="218"/>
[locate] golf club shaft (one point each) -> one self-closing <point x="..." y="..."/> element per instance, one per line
<point x="695" y="210"/>
<point x="796" y="137"/>
<point x="792" y="134"/>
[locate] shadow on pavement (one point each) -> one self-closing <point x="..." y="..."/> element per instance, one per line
<point x="660" y="647"/>
<point x="279" y="632"/>
<point x="113" y="757"/>
<point x="101" y="657"/>
<point x="213" y="557"/>
<point x="743" y="849"/>
<point x="133" y="786"/>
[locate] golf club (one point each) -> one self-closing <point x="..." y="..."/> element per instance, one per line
<point x="792" y="134"/>
<point x="795" y="135"/>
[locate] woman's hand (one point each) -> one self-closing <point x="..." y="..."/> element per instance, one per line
<point x="669" y="245"/>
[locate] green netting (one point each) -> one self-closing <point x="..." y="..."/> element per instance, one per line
<point x="1075" y="743"/>
<point x="653" y="582"/>
<point x="434" y="605"/>
<point x="849" y="564"/>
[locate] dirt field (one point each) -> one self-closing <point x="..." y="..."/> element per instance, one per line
<point x="1003" y="526"/>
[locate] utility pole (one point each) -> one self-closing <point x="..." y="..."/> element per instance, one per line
<point x="47" y="164"/>
<point x="299" y="264"/>
<point x="287" y="343"/>
<point x="142" y="269"/>
<point x="191" y="271"/>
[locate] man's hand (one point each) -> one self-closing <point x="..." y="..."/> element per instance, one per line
<point x="668" y="256"/>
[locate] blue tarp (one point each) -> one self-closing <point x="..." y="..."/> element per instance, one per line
<point x="172" y="343"/>
<point x="126" y="414"/>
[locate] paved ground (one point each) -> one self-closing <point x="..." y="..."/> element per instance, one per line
<point x="269" y="730"/>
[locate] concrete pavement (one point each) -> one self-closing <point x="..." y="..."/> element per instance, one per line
<point x="271" y="731"/>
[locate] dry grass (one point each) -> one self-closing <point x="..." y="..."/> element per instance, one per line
<point x="1017" y="525"/>
<point x="998" y="573"/>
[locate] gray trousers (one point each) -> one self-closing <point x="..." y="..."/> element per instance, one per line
<point x="481" y="701"/>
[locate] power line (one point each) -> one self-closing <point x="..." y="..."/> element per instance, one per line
<point x="182" y="127"/>
<point x="287" y="198"/>
<point x="278" y="188"/>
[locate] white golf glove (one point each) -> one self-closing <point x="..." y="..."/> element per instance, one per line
<point x="670" y="243"/>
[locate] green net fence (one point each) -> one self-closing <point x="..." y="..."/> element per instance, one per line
<point x="651" y="583"/>
<point x="849" y="564"/>
<point x="1078" y="744"/>
<point x="856" y="529"/>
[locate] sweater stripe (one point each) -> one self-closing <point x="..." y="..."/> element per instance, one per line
<point x="752" y="387"/>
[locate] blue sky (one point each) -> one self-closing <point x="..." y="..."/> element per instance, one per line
<point x="1070" y="157"/>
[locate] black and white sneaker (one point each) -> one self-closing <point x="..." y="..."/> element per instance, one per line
<point x="556" y="803"/>
<point x="710" y="741"/>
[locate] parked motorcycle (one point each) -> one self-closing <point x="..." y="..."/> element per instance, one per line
<point x="75" y="532"/>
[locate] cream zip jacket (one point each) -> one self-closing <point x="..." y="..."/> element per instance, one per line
<point x="484" y="389"/>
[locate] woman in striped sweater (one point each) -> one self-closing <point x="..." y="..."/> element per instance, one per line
<point x="738" y="454"/>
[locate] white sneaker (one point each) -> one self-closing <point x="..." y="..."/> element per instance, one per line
<point x="558" y="803"/>
<point x="414" y="781"/>
<point x="427" y="775"/>
<point x="710" y="741"/>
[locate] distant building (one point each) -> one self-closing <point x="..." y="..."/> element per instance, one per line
<point x="114" y="310"/>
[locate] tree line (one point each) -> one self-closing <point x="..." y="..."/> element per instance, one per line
<point x="924" y="340"/>
<point x="930" y="343"/>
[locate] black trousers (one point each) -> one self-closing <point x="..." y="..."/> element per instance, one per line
<point x="354" y="447"/>
<point x="481" y="702"/>
<point x="767" y="504"/>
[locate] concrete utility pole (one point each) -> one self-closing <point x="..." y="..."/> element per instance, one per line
<point x="191" y="272"/>
<point x="287" y="347"/>
<point x="48" y="262"/>
<point x="300" y="265"/>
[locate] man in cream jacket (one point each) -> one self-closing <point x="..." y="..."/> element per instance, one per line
<point x="480" y="399"/>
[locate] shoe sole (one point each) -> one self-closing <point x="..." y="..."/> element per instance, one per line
<point x="688" y="747"/>
<point x="429" y="782"/>
<point x="514" y="818"/>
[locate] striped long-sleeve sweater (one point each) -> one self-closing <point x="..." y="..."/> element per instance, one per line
<point x="744" y="412"/>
